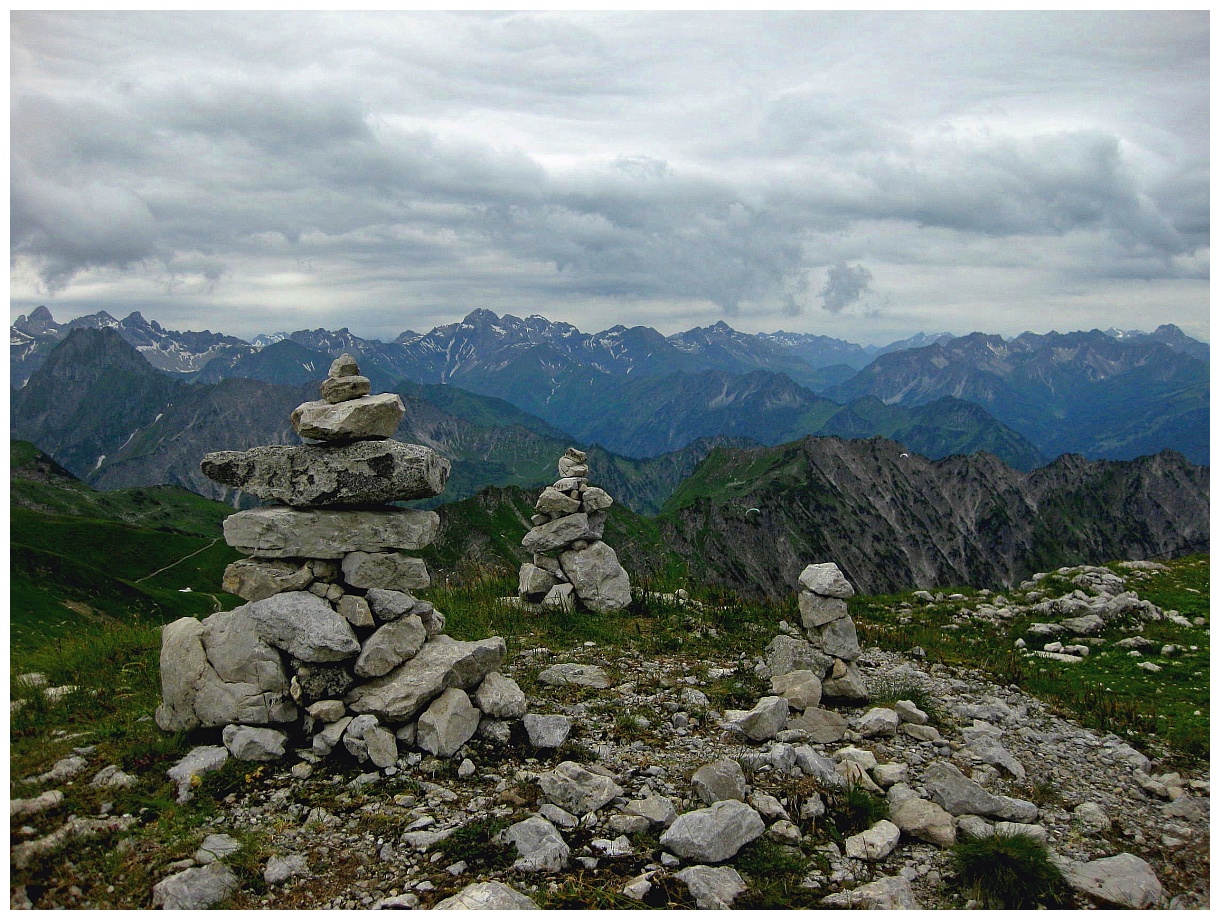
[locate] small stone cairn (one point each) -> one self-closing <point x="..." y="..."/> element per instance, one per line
<point x="828" y="647"/>
<point x="572" y="566"/>
<point x="332" y="626"/>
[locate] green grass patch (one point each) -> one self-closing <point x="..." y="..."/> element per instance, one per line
<point x="1009" y="872"/>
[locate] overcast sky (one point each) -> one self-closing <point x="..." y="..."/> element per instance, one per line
<point x="864" y="176"/>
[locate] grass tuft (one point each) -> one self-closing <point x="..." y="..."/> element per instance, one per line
<point x="1012" y="872"/>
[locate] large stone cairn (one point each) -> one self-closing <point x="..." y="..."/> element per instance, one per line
<point x="333" y="641"/>
<point x="828" y="647"/>
<point x="572" y="566"/>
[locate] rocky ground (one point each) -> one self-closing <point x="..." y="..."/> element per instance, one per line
<point x="586" y="824"/>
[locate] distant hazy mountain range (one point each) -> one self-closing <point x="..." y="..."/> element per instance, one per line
<point x="634" y="392"/>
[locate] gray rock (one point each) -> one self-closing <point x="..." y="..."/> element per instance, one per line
<point x="878" y="722"/>
<point x="579" y="675"/>
<point x="1124" y="880"/>
<point x="599" y="581"/>
<point x="442" y="663"/>
<point x="837" y="638"/>
<point x="874" y="844"/>
<point x="826" y="579"/>
<point x="342" y="388"/>
<point x="390" y="605"/>
<point x="558" y="534"/>
<point x="802" y="689"/>
<point x="892" y="892"/>
<point x="822" y="725"/>
<point x="245" y="742"/>
<point x="1015" y="829"/>
<point x="390" y="571"/>
<point x="988" y="749"/>
<point x="381" y="746"/>
<point x="575" y="789"/>
<point x="218" y="672"/>
<point x="449" y="722"/>
<point x="255" y="579"/>
<point x="788" y="653"/>
<point x="1092" y="819"/>
<point x="362" y="473"/>
<point x="712" y="888"/>
<point x="713" y="834"/>
<point x="328" y="710"/>
<point x="326" y="533"/>
<point x="280" y="869"/>
<point x="23" y="808"/>
<point x="540" y="846"/>
<point x="324" y="741"/>
<point x="919" y="732"/>
<point x="112" y="777"/>
<point x="303" y="625"/>
<point x="889" y="774"/>
<point x="817" y="765"/>
<point x="353" y="736"/>
<point x="195" y="889"/>
<point x="844" y="683"/>
<point x="558" y="816"/>
<point x="909" y="713"/>
<point x="391" y="645"/>
<point x="355" y="610"/>
<point x="720" y="781"/>
<point x="561" y="597"/>
<point x="926" y="821"/>
<point x="961" y="796"/>
<point x="216" y="847"/>
<point x="366" y="417"/>
<point x="764" y="721"/>
<point x="547" y="731"/>
<point x="343" y="366"/>
<point x="500" y="697"/>
<point x="817" y="611"/>
<point x="656" y="808"/>
<point x="1088" y="625"/>
<point x="197" y="762"/>
<point x="552" y="501"/>
<point x="595" y="499"/>
<point x="487" y="896"/>
<point x="533" y="582"/>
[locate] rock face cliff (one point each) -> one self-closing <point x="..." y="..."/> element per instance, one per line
<point x="893" y="520"/>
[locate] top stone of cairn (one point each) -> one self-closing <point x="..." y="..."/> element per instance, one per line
<point x="573" y="465"/>
<point x="346" y="411"/>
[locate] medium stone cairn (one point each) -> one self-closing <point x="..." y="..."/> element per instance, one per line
<point x="332" y="641"/>
<point x="829" y="647"/>
<point x="572" y="566"/>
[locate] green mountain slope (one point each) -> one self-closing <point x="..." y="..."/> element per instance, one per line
<point x="80" y="556"/>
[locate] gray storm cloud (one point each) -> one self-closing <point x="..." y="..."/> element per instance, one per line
<point x="558" y="159"/>
<point x="845" y="285"/>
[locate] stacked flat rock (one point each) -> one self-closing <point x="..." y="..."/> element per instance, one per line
<point x="333" y="642"/>
<point x="820" y="660"/>
<point x="823" y="604"/>
<point x="572" y="566"/>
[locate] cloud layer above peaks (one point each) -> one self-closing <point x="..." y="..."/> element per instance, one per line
<point x="864" y="175"/>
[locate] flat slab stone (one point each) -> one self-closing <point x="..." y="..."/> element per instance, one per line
<point x="195" y="889"/>
<point x="442" y="663"/>
<point x="303" y="625"/>
<point x="825" y="578"/>
<point x="280" y="532"/>
<point x="487" y="896"/>
<point x="1124" y="880"/>
<point x="600" y="582"/>
<point x="366" y="417"/>
<point x="713" y="834"/>
<point x="558" y="534"/>
<point x="364" y="472"/>
<point x="956" y="794"/>
<point x="712" y="888"/>
<point x="580" y="675"/>
<point x="577" y="790"/>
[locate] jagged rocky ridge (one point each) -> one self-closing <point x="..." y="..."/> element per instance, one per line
<point x="894" y="520"/>
<point x="662" y="820"/>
